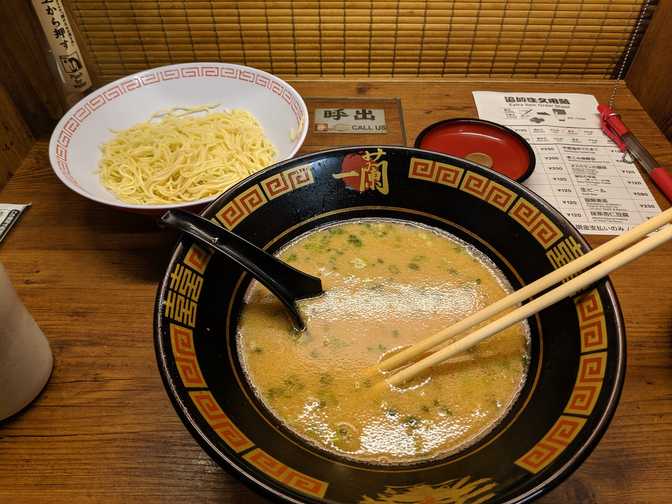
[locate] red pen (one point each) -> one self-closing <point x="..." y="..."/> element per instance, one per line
<point x="614" y="128"/>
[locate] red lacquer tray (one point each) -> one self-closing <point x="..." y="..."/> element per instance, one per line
<point x="483" y="142"/>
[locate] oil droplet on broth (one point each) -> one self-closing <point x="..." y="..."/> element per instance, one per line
<point x="387" y="285"/>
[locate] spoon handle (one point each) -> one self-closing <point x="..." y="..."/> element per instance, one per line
<point x="287" y="283"/>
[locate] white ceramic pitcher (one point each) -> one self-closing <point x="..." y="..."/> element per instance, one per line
<point x="25" y="356"/>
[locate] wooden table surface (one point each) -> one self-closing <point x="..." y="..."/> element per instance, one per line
<point x="104" y="429"/>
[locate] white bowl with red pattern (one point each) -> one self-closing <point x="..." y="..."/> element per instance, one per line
<point x="74" y="149"/>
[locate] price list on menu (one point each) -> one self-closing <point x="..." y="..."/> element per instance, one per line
<point x="579" y="170"/>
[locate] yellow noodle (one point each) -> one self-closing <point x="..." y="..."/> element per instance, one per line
<point x="183" y="155"/>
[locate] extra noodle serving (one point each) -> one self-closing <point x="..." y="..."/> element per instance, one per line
<point x="184" y="154"/>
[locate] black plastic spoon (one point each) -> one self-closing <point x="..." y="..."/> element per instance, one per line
<point x="287" y="283"/>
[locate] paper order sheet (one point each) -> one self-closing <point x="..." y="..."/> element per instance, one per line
<point x="579" y="170"/>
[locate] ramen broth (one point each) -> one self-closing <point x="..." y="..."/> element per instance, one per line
<point x="387" y="285"/>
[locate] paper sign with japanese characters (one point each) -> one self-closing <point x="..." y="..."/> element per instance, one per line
<point x="579" y="170"/>
<point x="349" y="120"/>
<point x="61" y="39"/>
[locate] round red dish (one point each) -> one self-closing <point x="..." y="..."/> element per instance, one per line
<point x="482" y="142"/>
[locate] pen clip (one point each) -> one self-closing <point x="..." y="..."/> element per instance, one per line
<point x="612" y="126"/>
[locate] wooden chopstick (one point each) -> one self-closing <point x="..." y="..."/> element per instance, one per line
<point x="528" y="291"/>
<point x="567" y="289"/>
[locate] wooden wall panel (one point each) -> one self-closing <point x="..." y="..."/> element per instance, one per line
<point x="650" y="76"/>
<point x="15" y="138"/>
<point x="25" y="70"/>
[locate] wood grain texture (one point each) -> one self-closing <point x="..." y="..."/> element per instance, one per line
<point x="15" y="138"/>
<point x="650" y="74"/>
<point x="29" y="76"/>
<point x="104" y="429"/>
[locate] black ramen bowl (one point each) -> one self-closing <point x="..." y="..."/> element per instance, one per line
<point x="577" y="352"/>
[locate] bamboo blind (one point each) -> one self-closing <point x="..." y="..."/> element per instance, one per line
<point x="543" y="38"/>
